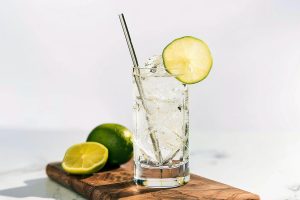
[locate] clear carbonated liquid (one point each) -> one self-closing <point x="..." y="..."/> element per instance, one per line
<point x="166" y="123"/>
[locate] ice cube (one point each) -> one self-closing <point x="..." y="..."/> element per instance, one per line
<point x="154" y="63"/>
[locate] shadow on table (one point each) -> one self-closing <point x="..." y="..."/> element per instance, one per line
<point x="42" y="188"/>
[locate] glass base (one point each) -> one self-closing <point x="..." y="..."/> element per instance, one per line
<point x="161" y="177"/>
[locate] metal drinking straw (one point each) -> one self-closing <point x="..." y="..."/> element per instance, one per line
<point x="138" y="82"/>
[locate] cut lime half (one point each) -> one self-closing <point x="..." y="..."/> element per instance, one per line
<point x="85" y="158"/>
<point x="188" y="59"/>
<point x="117" y="139"/>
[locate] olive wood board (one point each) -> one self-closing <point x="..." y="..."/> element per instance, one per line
<point x="118" y="184"/>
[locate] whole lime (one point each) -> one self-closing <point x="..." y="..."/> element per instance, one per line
<point x="117" y="139"/>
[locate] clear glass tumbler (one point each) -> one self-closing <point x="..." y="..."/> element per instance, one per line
<point x="161" y="129"/>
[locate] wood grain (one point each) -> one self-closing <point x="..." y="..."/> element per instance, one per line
<point x="118" y="184"/>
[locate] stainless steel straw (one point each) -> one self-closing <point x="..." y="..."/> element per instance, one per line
<point x="138" y="82"/>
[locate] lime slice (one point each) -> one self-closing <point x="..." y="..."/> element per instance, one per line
<point x="188" y="59"/>
<point x="85" y="158"/>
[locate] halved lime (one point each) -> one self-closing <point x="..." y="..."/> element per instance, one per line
<point x="117" y="139"/>
<point x="188" y="59"/>
<point x="85" y="158"/>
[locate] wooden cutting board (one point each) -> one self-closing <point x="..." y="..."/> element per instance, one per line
<point x="118" y="184"/>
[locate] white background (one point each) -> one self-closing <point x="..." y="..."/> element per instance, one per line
<point x="65" y="64"/>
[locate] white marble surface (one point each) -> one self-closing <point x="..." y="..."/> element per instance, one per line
<point x="264" y="163"/>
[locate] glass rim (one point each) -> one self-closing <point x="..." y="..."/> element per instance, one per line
<point x="145" y="68"/>
<point x="166" y="74"/>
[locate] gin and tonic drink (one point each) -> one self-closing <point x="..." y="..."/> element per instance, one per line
<point x="161" y="120"/>
<point x="161" y="124"/>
